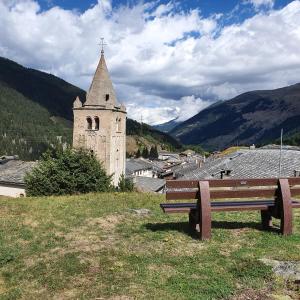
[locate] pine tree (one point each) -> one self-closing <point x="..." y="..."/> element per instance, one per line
<point x="125" y="184"/>
<point x="138" y="153"/>
<point x="145" y="152"/>
<point x="153" y="152"/>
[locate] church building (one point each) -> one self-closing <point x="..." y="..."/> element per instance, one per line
<point x="100" y="123"/>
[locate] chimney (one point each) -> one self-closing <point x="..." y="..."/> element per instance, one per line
<point x="225" y="173"/>
<point x="296" y="173"/>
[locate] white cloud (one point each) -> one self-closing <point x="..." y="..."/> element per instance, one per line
<point x="164" y="62"/>
<point x="259" y="3"/>
<point x="163" y="110"/>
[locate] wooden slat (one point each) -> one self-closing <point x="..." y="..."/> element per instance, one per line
<point x="229" y="182"/>
<point x="262" y="206"/>
<point x="296" y="204"/>
<point x="217" y="209"/>
<point x="223" y="194"/>
<point x="295" y="192"/>
<point x="227" y="194"/>
<point x="239" y="208"/>
<point x="176" y="210"/>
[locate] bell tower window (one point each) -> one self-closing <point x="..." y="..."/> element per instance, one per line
<point x="118" y="123"/>
<point x="89" y="123"/>
<point x="106" y="97"/>
<point x="97" y="123"/>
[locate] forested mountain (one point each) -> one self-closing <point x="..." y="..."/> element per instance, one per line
<point x="253" y="117"/>
<point x="36" y="111"/>
<point x="168" y="126"/>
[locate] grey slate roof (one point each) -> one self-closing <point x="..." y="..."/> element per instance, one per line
<point x="133" y="165"/>
<point x="182" y="169"/>
<point x="149" y="184"/>
<point x="259" y="163"/>
<point x="13" y="171"/>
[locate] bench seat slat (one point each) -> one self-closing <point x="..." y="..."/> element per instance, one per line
<point x="223" y="206"/>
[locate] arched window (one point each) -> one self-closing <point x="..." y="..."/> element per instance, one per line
<point x="89" y="123"/>
<point x="97" y="123"/>
<point x="118" y="123"/>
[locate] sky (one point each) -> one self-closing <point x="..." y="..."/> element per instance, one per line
<point x="167" y="59"/>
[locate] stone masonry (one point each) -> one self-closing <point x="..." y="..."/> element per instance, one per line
<point x="100" y="123"/>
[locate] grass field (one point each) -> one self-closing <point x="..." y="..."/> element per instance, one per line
<point x="98" y="247"/>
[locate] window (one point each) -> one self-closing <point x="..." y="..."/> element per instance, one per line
<point x="106" y="97"/>
<point x="89" y="123"/>
<point x="118" y="122"/>
<point x="97" y="123"/>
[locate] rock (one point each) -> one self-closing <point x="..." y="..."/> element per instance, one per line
<point x="285" y="269"/>
<point x="281" y="297"/>
<point x="141" y="211"/>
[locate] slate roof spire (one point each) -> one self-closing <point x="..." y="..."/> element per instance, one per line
<point x="101" y="91"/>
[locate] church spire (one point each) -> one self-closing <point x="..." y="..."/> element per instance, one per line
<point x="101" y="91"/>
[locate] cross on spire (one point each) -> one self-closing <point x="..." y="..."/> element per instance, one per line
<point x="102" y="44"/>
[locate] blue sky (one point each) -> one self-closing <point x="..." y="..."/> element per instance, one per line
<point x="207" y="7"/>
<point x="167" y="59"/>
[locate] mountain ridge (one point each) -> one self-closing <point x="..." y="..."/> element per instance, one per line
<point x="252" y="117"/>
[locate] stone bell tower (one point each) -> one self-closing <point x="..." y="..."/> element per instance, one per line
<point x="100" y="123"/>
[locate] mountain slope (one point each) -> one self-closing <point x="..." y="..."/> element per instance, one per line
<point x="168" y="126"/>
<point x="26" y="128"/>
<point x="51" y="92"/>
<point x="36" y="111"/>
<point x="252" y="117"/>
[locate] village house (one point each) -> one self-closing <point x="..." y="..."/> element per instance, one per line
<point x="12" y="173"/>
<point x="139" y="167"/>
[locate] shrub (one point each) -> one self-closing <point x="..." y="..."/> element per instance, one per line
<point x="125" y="184"/>
<point x="67" y="172"/>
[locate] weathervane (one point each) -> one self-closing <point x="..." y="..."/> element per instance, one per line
<point x="102" y="44"/>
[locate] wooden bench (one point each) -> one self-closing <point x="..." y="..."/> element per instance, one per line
<point x="272" y="197"/>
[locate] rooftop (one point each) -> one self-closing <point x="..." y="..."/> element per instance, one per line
<point x="258" y="163"/>
<point x="148" y="184"/>
<point x="133" y="165"/>
<point x="13" y="170"/>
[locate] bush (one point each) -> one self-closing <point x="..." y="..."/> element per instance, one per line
<point x="125" y="184"/>
<point x="67" y="172"/>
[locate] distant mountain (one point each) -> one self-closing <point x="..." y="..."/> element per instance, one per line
<point x="36" y="111"/>
<point x="253" y="117"/>
<point x="168" y="126"/>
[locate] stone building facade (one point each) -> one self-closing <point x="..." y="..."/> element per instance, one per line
<point x="100" y="123"/>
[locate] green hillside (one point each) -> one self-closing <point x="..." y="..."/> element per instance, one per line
<point x="36" y="112"/>
<point x="26" y="127"/>
<point x="51" y="92"/>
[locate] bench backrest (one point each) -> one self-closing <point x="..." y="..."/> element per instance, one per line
<point x="229" y="188"/>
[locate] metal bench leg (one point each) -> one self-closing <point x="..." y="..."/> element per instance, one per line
<point x="204" y="211"/>
<point x="266" y="219"/>
<point x="285" y="205"/>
